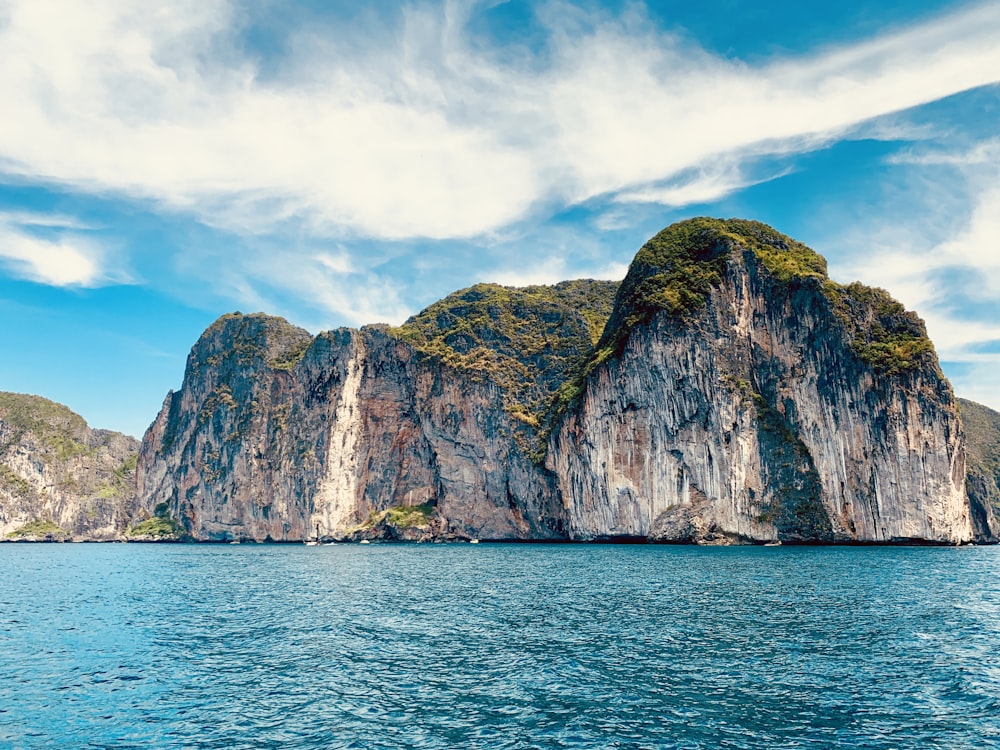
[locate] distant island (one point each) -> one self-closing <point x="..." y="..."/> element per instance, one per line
<point x="726" y="391"/>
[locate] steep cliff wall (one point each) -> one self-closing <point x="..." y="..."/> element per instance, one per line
<point x="209" y="459"/>
<point x="725" y="391"/>
<point x="740" y="395"/>
<point x="982" y="433"/>
<point x="277" y="435"/>
<point x="59" y="479"/>
<point x="735" y="394"/>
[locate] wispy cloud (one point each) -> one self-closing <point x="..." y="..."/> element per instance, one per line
<point x="62" y="258"/>
<point x="318" y="287"/>
<point x="705" y="184"/>
<point x="358" y="298"/>
<point x="553" y="270"/>
<point x="50" y="221"/>
<point x="416" y="131"/>
<point x="941" y="261"/>
<point x="986" y="153"/>
<point x="977" y="382"/>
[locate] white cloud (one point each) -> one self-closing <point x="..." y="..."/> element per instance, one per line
<point x="416" y="131"/>
<point x="317" y="288"/>
<point x="64" y="260"/>
<point x="985" y="153"/>
<point x="55" y="263"/>
<point x="339" y="263"/>
<point x="978" y="246"/>
<point x="943" y="262"/>
<point x="359" y="298"/>
<point x="705" y="185"/>
<point x="705" y="188"/>
<point x="978" y="382"/>
<point x="52" y="221"/>
<point x="893" y="127"/>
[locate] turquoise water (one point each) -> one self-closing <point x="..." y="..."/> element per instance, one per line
<point x="498" y="646"/>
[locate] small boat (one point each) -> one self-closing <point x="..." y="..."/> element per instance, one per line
<point x="235" y="541"/>
<point x="773" y="544"/>
<point x="473" y="541"/>
<point x="314" y="542"/>
<point x="364" y="541"/>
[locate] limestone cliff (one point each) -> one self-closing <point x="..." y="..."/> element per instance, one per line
<point x="738" y="394"/>
<point x="277" y="435"/>
<point x="59" y="479"/>
<point x="982" y="432"/>
<point x="734" y="394"/>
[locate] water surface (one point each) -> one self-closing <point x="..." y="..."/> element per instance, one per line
<point x="498" y="646"/>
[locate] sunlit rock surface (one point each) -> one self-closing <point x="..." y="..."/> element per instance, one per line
<point x="59" y="479"/>
<point x="735" y="394"/>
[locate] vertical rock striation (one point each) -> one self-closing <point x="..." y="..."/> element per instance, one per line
<point x="275" y="435"/>
<point x="735" y="394"/>
<point x="738" y="394"/>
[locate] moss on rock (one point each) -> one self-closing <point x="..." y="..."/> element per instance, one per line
<point x="883" y="333"/>
<point x="157" y="528"/>
<point x="400" y="517"/>
<point x="982" y="443"/>
<point x="527" y="340"/>
<point x="58" y="428"/>
<point x="11" y="482"/>
<point x="40" y="529"/>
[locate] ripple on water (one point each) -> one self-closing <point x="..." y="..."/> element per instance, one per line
<point x="498" y="646"/>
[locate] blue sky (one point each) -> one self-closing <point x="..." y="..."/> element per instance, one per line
<point x="162" y="164"/>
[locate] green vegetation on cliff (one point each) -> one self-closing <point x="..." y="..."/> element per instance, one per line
<point x="526" y="340"/>
<point x="400" y="516"/>
<point x="407" y="516"/>
<point x="540" y="343"/>
<point x="160" y="526"/>
<point x="676" y="270"/>
<point x="40" y="529"/>
<point x="58" y="428"/>
<point x="228" y="360"/>
<point x="982" y="466"/>
<point x="982" y="438"/>
<point x="52" y="465"/>
<point x="883" y="333"/>
<point x="12" y="483"/>
<point x="243" y="339"/>
<point x="288" y="358"/>
<point x="982" y="434"/>
<point x="157" y="527"/>
<point x="121" y="481"/>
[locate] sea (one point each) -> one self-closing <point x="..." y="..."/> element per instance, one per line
<point x="498" y="646"/>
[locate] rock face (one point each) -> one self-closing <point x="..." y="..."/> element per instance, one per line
<point x="275" y="435"/>
<point x="982" y="432"/>
<point x="759" y="401"/>
<point x="735" y="394"/>
<point x="59" y="479"/>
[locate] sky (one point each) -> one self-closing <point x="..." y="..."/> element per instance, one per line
<point x="346" y="163"/>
